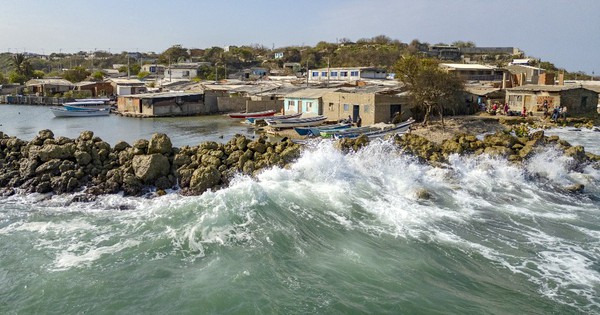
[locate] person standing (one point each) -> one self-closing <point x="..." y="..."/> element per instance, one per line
<point x="358" y="121"/>
<point x="505" y="108"/>
<point x="563" y="112"/>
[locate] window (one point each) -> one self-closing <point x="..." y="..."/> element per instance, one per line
<point x="343" y="73"/>
<point x="186" y="73"/>
<point x="334" y="73"/>
<point x="308" y="106"/>
<point x="330" y="106"/>
<point x="315" y="74"/>
<point x="290" y="104"/>
<point x="365" y="108"/>
<point x="354" y="73"/>
<point x="324" y="74"/>
<point x="346" y="107"/>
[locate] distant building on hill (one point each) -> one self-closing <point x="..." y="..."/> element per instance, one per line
<point x="346" y="74"/>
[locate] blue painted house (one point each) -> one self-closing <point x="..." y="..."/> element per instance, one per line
<point x="307" y="101"/>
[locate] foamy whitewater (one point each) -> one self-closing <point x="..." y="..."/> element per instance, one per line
<point x="335" y="233"/>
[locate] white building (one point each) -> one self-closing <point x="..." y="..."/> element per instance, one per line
<point x="346" y="74"/>
<point x="184" y="70"/>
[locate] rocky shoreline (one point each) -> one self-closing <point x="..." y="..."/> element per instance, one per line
<point x="90" y="166"/>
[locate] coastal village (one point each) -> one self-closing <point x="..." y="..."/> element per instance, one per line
<point x="496" y="80"/>
<point x="465" y="81"/>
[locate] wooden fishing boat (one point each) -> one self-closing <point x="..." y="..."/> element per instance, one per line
<point x="296" y="122"/>
<point x="79" y="112"/>
<point x="316" y="131"/>
<point x="396" y="129"/>
<point x="252" y="120"/>
<point x="265" y="113"/>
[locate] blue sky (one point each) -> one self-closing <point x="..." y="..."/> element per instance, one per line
<point x="566" y="33"/>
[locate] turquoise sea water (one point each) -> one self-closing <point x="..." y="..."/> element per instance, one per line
<point x="333" y="234"/>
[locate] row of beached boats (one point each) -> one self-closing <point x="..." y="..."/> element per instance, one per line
<point x="313" y="126"/>
<point x="83" y="108"/>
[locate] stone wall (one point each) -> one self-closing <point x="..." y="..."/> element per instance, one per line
<point x="231" y="104"/>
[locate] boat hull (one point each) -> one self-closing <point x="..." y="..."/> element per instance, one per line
<point x="62" y="112"/>
<point x="266" y="113"/>
<point x="252" y="120"/>
<point x="296" y="122"/>
<point x="315" y="131"/>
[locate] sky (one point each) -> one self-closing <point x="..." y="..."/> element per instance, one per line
<point x="566" y="33"/>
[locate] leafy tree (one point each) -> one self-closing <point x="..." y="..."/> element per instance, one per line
<point x="143" y="74"/>
<point x="14" y="77"/>
<point x="462" y="44"/>
<point x="135" y="69"/>
<point x="3" y="79"/>
<point x="173" y="55"/>
<point x="76" y="74"/>
<point x="430" y="87"/>
<point x="122" y="69"/>
<point x="38" y="74"/>
<point x="98" y="76"/>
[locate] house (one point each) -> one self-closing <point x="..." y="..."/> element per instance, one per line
<point x="278" y="55"/>
<point x="525" y="73"/>
<point x="444" y="52"/>
<point x="473" y="72"/>
<point x="187" y="70"/>
<point x="48" y="87"/>
<point x="96" y="88"/>
<point x="127" y="86"/>
<point x="479" y="94"/>
<point x="154" y="69"/>
<point x="577" y="99"/>
<point x="307" y="101"/>
<point x="346" y="74"/>
<point x="163" y="104"/>
<point x="372" y="104"/>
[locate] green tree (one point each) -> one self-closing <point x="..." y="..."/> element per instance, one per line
<point x="463" y="44"/>
<point x="431" y="88"/>
<point x="14" y="77"/>
<point x="38" y="74"/>
<point x="143" y="74"/>
<point x="76" y="74"/>
<point x="3" y="79"/>
<point x="173" y="55"/>
<point x="22" y="65"/>
<point x="98" y="76"/>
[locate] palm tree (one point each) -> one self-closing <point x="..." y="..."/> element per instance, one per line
<point x="22" y="65"/>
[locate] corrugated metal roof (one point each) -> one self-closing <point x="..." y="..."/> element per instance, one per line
<point x="466" y="66"/>
<point x="546" y="88"/>
<point x="310" y="93"/>
<point x="49" y="81"/>
<point x="160" y="95"/>
<point x="481" y="90"/>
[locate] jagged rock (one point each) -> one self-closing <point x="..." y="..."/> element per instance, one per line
<point x="150" y="167"/>
<point x="42" y="136"/>
<point x="423" y="194"/>
<point x="50" y="167"/>
<point x="140" y="147"/>
<point x="498" y="151"/>
<point x="181" y="159"/>
<point x="204" y="178"/>
<point x="577" y="153"/>
<point x="53" y="151"/>
<point x="83" y="158"/>
<point x="257" y="146"/>
<point x="160" y="143"/>
<point x="86" y="135"/>
<point x="575" y="188"/>
<point x="121" y="145"/>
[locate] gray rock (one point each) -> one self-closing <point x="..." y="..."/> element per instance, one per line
<point x="160" y="143"/>
<point x="150" y="167"/>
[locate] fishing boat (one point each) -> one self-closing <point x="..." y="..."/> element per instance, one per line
<point x="396" y="129"/>
<point x="79" y="112"/>
<point x="86" y="104"/>
<point x="252" y="120"/>
<point x="316" y="131"/>
<point x="296" y="122"/>
<point x="265" y="113"/>
<point x="348" y="131"/>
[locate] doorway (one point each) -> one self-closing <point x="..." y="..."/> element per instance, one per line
<point x="355" y="112"/>
<point x="395" y="110"/>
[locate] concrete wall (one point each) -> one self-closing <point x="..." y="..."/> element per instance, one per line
<point x="373" y="108"/>
<point x="259" y="106"/>
<point x="170" y="108"/>
<point x="210" y="100"/>
<point x="573" y="99"/>
<point x="231" y="104"/>
<point x="128" y="105"/>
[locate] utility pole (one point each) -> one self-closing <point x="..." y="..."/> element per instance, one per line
<point x="328" y="70"/>
<point x="307" y="72"/>
<point x="127" y="65"/>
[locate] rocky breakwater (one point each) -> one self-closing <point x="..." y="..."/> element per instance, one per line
<point x="515" y="144"/>
<point x="90" y="165"/>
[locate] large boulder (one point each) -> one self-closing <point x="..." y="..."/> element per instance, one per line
<point x="205" y="178"/>
<point x="160" y="143"/>
<point x="86" y="135"/>
<point x="53" y="151"/>
<point x="150" y="167"/>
